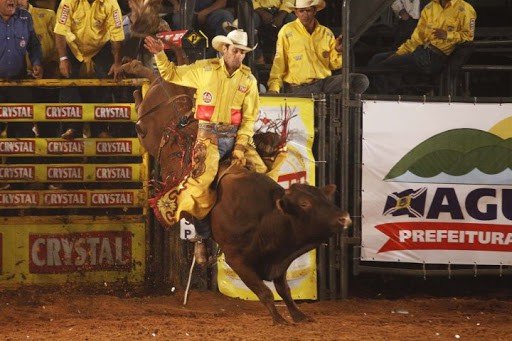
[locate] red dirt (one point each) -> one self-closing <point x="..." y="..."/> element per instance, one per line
<point x="33" y="314"/>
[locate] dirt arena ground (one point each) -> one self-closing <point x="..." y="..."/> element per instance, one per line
<point x="37" y="314"/>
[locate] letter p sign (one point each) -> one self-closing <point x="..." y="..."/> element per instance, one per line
<point x="187" y="230"/>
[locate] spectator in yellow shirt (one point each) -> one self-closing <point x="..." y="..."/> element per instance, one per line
<point x="273" y="12"/>
<point x="227" y="104"/>
<point x="442" y="25"/>
<point x="88" y="36"/>
<point x="306" y="55"/>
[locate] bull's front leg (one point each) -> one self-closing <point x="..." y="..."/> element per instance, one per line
<point x="255" y="283"/>
<point x="283" y="289"/>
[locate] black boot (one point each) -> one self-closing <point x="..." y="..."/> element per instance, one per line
<point x="203" y="232"/>
<point x="200" y="252"/>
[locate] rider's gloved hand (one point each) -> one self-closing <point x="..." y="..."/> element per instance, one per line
<point x="238" y="155"/>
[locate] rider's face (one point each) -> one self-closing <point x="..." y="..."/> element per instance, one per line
<point x="233" y="56"/>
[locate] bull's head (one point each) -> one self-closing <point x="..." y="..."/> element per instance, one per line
<point x="314" y="206"/>
<point x="267" y="143"/>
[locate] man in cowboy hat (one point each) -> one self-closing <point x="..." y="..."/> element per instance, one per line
<point x="306" y="55"/>
<point x="226" y="106"/>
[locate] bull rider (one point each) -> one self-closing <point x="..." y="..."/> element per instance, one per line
<point x="227" y="103"/>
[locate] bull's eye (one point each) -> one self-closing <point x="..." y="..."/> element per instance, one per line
<point x="140" y="131"/>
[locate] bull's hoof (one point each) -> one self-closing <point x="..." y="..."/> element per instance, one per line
<point x="279" y="320"/>
<point x="301" y="317"/>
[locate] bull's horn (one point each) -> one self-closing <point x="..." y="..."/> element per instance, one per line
<point x="279" y="207"/>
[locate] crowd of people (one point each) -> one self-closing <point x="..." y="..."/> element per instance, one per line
<point x="85" y="39"/>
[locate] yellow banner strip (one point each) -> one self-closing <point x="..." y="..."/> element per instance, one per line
<point x="72" y="112"/>
<point x="72" y="173"/>
<point x="76" y="147"/>
<point x="72" y="199"/>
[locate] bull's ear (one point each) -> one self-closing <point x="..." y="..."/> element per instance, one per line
<point x="277" y="195"/>
<point x="329" y="191"/>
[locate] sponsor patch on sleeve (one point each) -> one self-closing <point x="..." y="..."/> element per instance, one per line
<point x="117" y="19"/>
<point x="64" y="15"/>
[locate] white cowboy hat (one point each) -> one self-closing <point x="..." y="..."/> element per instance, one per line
<point x="237" y="37"/>
<point x="318" y="4"/>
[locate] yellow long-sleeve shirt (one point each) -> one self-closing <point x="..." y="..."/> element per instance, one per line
<point x="44" y="21"/>
<point x="87" y="27"/>
<point x="457" y="19"/>
<point x="302" y="57"/>
<point x="220" y="98"/>
<point x="282" y="5"/>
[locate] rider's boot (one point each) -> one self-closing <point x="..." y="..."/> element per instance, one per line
<point x="203" y="232"/>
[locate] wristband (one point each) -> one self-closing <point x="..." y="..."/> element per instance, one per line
<point x="63" y="58"/>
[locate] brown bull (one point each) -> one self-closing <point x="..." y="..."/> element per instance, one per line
<point x="260" y="227"/>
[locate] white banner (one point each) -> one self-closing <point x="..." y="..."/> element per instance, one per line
<point x="437" y="183"/>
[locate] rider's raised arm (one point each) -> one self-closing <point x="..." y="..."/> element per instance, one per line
<point x="185" y="75"/>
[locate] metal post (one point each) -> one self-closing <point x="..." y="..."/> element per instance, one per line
<point x="331" y="178"/>
<point x="344" y="157"/>
<point x="187" y="13"/>
<point x="320" y="114"/>
<point x="356" y="189"/>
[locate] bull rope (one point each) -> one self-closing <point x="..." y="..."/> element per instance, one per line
<point x="187" y="289"/>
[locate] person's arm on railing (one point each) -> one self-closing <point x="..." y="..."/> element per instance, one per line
<point x="116" y="68"/>
<point x="115" y="28"/>
<point x="62" y="30"/>
<point x="64" y="64"/>
<point x="34" y="51"/>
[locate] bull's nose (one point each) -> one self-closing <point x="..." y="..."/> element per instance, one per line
<point x="344" y="220"/>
